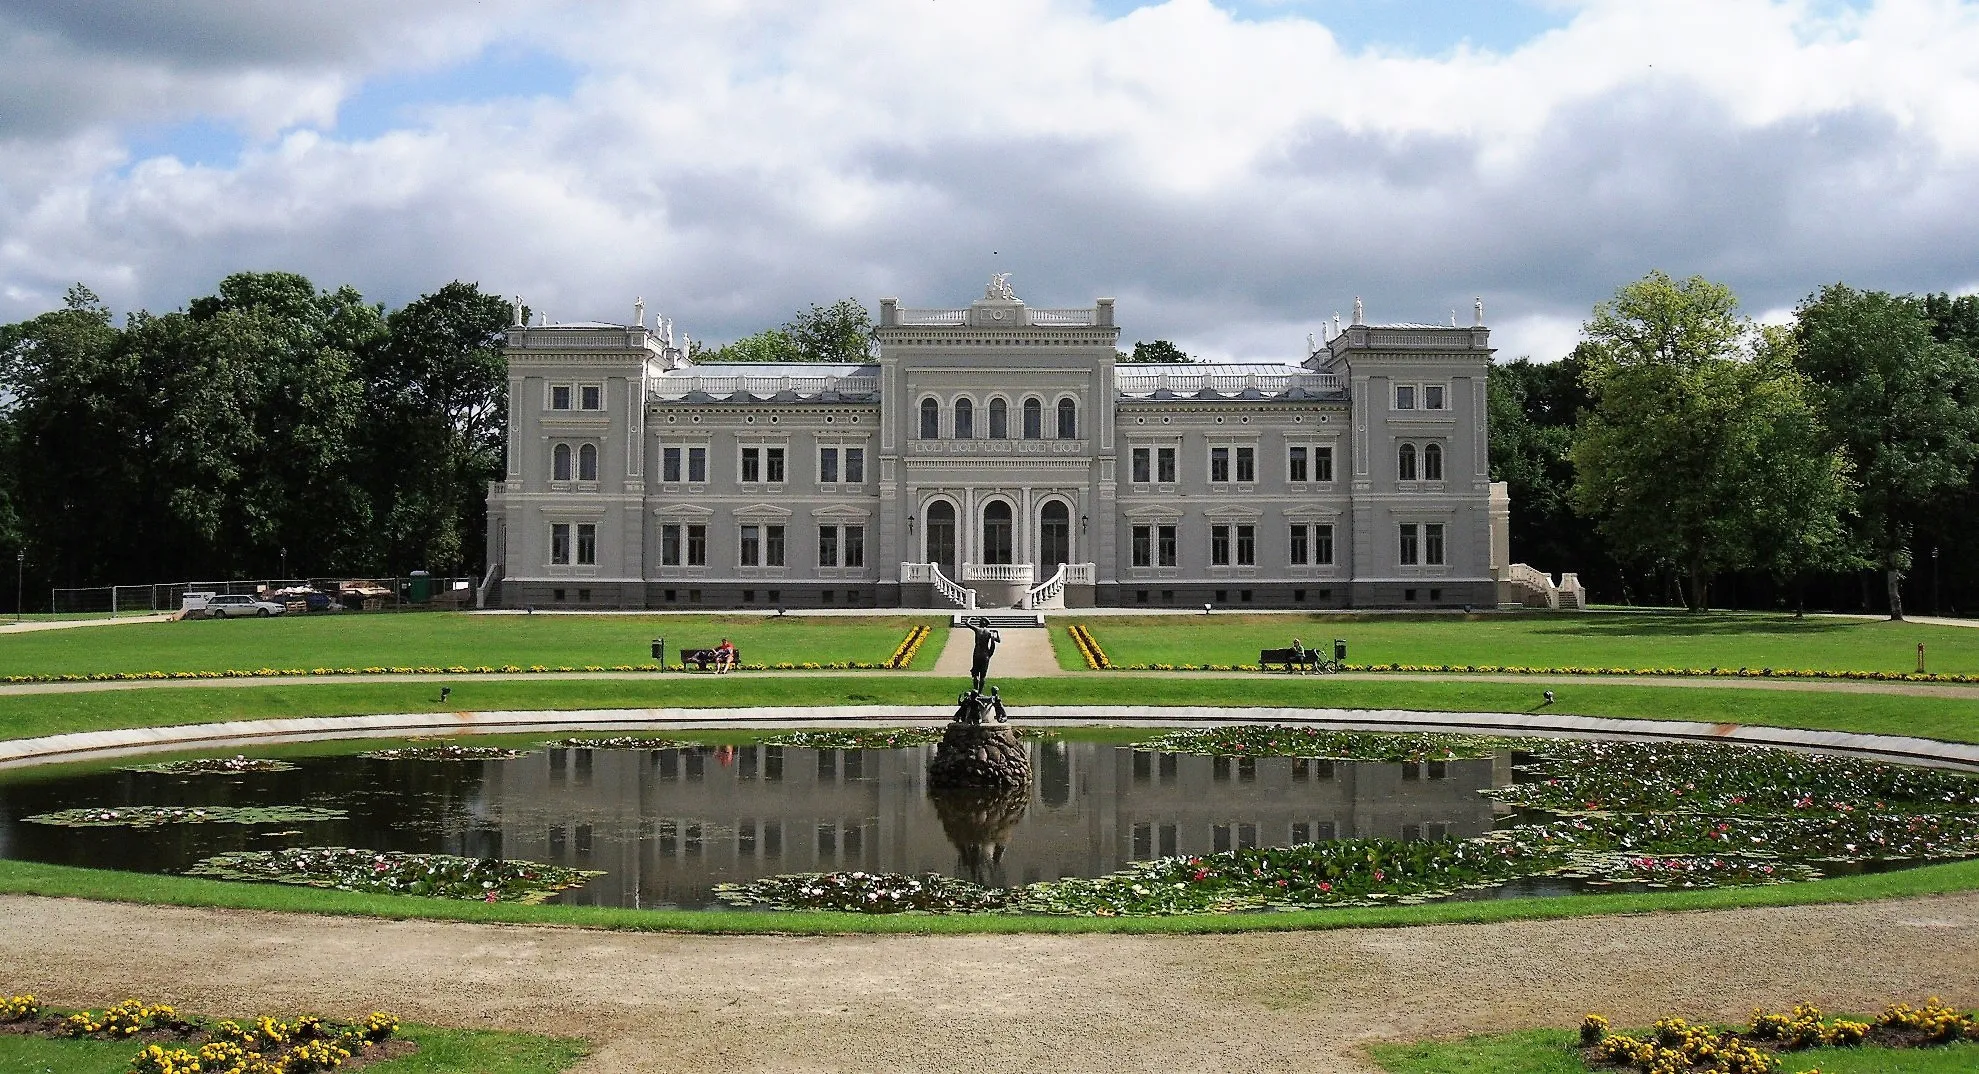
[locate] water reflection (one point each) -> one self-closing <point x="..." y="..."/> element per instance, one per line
<point x="666" y="825"/>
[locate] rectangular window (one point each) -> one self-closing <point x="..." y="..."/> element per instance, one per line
<point x="560" y="543"/>
<point x="1432" y="543"/>
<point x="1432" y="397"/>
<point x="1299" y="547"/>
<point x="669" y="547"/>
<point x="1405" y="397"/>
<point x="587" y="543"/>
<point x="828" y="466"/>
<point x="1295" y="465"/>
<point x="855" y="546"/>
<point x="697" y="464"/>
<point x="1219" y="546"/>
<point x="1165" y="550"/>
<point x="827" y="546"/>
<point x="752" y="546"/>
<point x="1219" y="464"/>
<point x="855" y="466"/>
<point x="560" y="397"/>
<point x="773" y="463"/>
<point x="1322" y="464"/>
<point x="1143" y="470"/>
<point x="1246" y="546"/>
<point x="1410" y="552"/>
<point x="1143" y="546"/>
<point x="591" y="397"/>
<point x="773" y="546"/>
<point x="1246" y="464"/>
<point x="697" y="551"/>
<point x="1322" y="547"/>
<point x="670" y="464"/>
<point x="752" y="465"/>
<point x="1164" y="464"/>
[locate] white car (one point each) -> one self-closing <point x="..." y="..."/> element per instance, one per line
<point x="233" y="606"/>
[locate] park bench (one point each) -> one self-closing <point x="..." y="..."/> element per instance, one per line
<point x="1304" y="659"/>
<point x="703" y="659"/>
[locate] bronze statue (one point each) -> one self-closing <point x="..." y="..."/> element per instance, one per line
<point x="986" y="642"/>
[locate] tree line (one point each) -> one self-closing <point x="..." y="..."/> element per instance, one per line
<point x="269" y="428"/>
<point x="1684" y="454"/>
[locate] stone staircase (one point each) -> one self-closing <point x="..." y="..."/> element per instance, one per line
<point x="1004" y="620"/>
<point x="1534" y="588"/>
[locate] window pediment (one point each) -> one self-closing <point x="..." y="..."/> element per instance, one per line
<point x="1156" y="513"/>
<point x="841" y="512"/>
<point x="1233" y="513"/>
<point x="683" y="512"/>
<point x="764" y="511"/>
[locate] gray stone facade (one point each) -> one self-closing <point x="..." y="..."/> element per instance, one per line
<point x="996" y="455"/>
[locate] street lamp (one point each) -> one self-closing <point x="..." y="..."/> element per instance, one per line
<point x="20" y="592"/>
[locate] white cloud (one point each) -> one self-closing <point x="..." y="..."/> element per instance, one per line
<point x="1232" y="182"/>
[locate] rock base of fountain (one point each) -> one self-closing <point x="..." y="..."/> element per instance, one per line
<point x="979" y="749"/>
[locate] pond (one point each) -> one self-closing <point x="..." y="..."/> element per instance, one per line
<point x="1190" y="821"/>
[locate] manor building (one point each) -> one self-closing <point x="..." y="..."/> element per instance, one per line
<point x="997" y="455"/>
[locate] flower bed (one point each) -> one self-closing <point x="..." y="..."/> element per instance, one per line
<point x="1089" y="649"/>
<point x="455" y="669"/>
<point x="392" y="873"/>
<point x="1507" y="669"/>
<point x="1277" y="740"/>
<point x="214" y="766"/>
<point x="160" y="816"/>
<point x="175" y="1044"/>
<point x="904" y="653"/>
<point x="1675" y="1046"/>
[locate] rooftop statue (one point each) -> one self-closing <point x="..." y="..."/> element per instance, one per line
<point x="999" y="289"/>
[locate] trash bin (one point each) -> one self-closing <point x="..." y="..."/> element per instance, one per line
<point x="660" y="650"/>
<point x="1339" y="650"/>
<point x="422" y="587"/>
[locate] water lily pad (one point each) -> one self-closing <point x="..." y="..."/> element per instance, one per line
<point x="214" y="766"/>
<point x="393" y="873"/>
<point x="445" y="753"/>
<point x="160" y="816"/>
<point x="1275" y="740"/>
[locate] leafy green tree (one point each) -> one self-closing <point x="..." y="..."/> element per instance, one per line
<point x="436" y="407"/>
<point x="841" y="332"/>
<point x="769" y="345"/>
<point x="1902" y="404"/>
<point x="1159" y="350"/>
<point x="1701" y="450"/>
<point x="1533" y="407"/>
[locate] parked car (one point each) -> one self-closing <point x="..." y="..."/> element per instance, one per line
<point x="233" y="606"/>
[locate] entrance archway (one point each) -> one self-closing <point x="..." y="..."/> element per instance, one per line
<point x="939" y="544"/>
<point x="997" y="546"/>
<point x="1054" y="537"/>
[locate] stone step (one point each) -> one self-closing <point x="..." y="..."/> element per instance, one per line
<point x="1002" y="620"/>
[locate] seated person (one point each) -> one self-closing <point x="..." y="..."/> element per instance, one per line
<point x="724" y="656"/>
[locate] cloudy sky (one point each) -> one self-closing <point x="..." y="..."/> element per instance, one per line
<point x="1234" y="171"/>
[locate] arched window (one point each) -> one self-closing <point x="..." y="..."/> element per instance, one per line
<point x="930" y="420"/>
<point x="1034" y="418"/>
<point x="999" y="420"/>
<point x="965" y="419"/>
<point x="1054" y="537"/>
<point x="1432" y="462"/>
<point x="997" y="545"/>
<point x="560" y="463"/>
<point x="940" y="546"/>
<point x="587" y="462"/>
<point x="1068" y="420"/>
<point x="1405" y="462"/>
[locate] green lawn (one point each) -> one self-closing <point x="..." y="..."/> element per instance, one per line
<point x="441" y="1051"/>
<point x="446" y="638"/>
<point x="1546" y="1051"/>
<point x="1624" y="639"/>
<point x="1953" y="717"/>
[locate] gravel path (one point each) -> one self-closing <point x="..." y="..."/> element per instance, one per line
<point x="1284" y="1001"/>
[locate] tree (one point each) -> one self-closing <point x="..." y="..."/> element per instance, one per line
<point x="841" y="332"/>
<point x="1533" y="407"/>
<point x="1159" y="350"/>
<point x="436" y="415"/>
<point x="769" y="345"/>
<point x="1702" y="450"/>
<point x="1899" y="402"/>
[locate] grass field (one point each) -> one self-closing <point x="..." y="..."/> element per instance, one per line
<point x="1630" y="639"/>
<point x="441" y="1051"/>
<point x="444" y="639"/>
<point x="1953" y="717"/>
<point x="1546" y="1051"/>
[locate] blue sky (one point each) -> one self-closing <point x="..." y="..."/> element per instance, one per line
<point x="1233" y="172"/>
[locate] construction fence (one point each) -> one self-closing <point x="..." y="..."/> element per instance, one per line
<point x="370" y="594"/>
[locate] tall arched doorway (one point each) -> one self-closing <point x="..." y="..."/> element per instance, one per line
<point x="997" y="546"/>
<point x="940" y="536"/>
<point x="1054" y="538"/>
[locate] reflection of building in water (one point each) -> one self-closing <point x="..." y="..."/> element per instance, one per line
<point x="667" y="824"/>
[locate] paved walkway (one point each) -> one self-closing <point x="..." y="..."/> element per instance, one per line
<point x="1306" y="1001"/>
<point x="25" y="626"/>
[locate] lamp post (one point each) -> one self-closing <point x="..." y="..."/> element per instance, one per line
<point x="285" y="564"/>
<point x="20" y="592"/>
